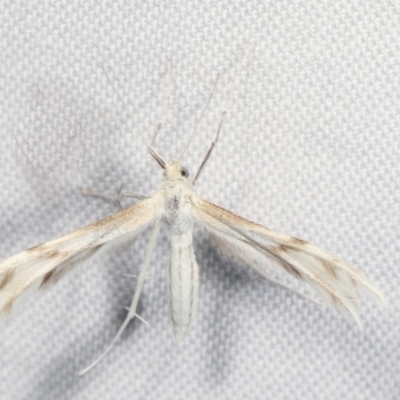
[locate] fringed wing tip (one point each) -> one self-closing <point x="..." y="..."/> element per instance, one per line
<point x="373" y="294"/>
<point x="337" y="283"/>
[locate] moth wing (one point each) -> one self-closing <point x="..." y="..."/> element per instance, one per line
<point x="335" y="281"/>
<point x="27" y="272"/>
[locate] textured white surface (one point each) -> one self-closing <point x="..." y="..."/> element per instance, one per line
<point x="310" y="147"/>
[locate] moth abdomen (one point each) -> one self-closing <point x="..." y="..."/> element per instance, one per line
<point x="183" y="284"/>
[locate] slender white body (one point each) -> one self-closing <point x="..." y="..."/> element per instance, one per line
<point x="183" y="272"/>
<point x="183" y="284"/>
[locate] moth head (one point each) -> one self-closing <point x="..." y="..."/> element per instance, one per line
<point x="176" y="171"/>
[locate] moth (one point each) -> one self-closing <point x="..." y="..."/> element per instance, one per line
<point x="176" y="205"/>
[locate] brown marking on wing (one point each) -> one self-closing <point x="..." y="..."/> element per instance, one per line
<point x="286" y="264"/>
<point x="53" y="254"/>
<point x="47" y="277"/>
<point x="297" y="242"/>
<point x="272" y="253"/>
<point x="336" y="300"/>
<point x="224" y="214"/>
<point x="284" y="248"/>
<point x="289" y="268"/>
<point x="57" y="273"/>
<point x="329" y="269"/>
<point x="34" y="248"/>
<point x="139" y="208"/>
<point x="5" y="279"/>
<point x="123" y="220"/>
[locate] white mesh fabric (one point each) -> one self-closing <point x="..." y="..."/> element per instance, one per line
<point x="310" y="147"/>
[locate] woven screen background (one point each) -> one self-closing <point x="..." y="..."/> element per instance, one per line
<point x="310" y="147"/>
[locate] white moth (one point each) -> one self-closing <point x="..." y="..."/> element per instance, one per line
<point x="179" y="208"/>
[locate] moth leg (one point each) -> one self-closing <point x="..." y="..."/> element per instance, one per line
<point x="287" y="287"/>
<point x="135" y="195"/>
<point x="147" y="277"/>
<point x="139" y="285"/>
<point x="114" y="199"/>
<point x="140" y="318"/>
<point x="79" y="151"/>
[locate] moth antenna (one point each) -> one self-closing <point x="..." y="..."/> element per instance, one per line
<point x="23" y="151"/>
<point x="78" y="155"/>
<point x="223" y="115"/>
<point x="151" y="150"/>
<point x="198" y="122"/>
<point x="139" y="285"/>
<point x="167" y="103"/>
<point x="35" y="169"/>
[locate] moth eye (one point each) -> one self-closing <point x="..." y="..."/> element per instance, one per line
<point x="185" y="172"/>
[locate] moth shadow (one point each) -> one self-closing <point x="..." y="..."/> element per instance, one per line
<point x="60" y="380"/>
<point x="231" y="285"/>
